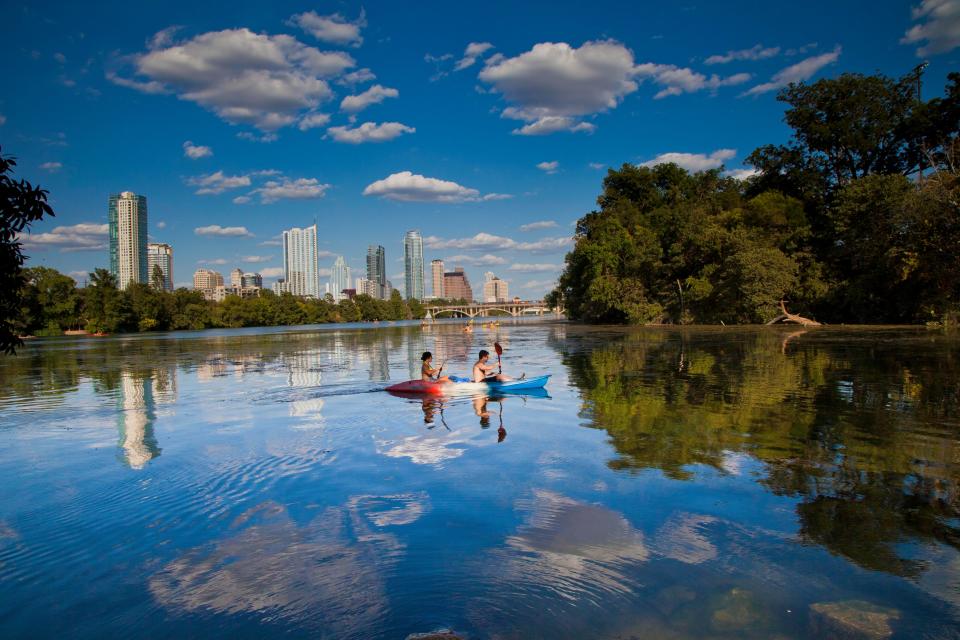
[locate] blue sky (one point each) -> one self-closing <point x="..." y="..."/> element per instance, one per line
<point x="488" y="126"/>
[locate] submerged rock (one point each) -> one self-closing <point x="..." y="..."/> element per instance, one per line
<point x="737" y="611"/>
<point x="852" y="620"/>
<point x="443" y="634"/>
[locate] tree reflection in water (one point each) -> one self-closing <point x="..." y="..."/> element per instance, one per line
<point x="860" y="428"/>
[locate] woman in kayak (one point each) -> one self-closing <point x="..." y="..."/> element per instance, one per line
<point x="428" y="373"/>
<point x="483" y="372"/>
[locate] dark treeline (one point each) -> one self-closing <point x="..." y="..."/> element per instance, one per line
<point x="51" y="303"/>
<point x="840" y="221"/>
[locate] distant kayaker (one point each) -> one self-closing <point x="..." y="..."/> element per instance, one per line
<point x="427" y="372"/>
<point x="483" y="372"/>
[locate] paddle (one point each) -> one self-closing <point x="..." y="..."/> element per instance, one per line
<point x="499" y="350"/>
<point x="440" y="370"/>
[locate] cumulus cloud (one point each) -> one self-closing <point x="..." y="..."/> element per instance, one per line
<point x="216" y="183"/>
<point x="242" y="200"/>
<point x="540" y="224"/>
<point x="539" y="267"/>
<point x="217" y="230"/>
<point x="756" y="52"/>
<point x="313" y="120"/>
<point x="252" y="137"/>
<point x="693" y="162"/>
<point x="678" y="80"/>
<point x="596" y="165"/>
<point x="741" y="174"/>
<point x="256" y="259"/>
<point x="548" y="167"/>
<point x="215" y="261"/>
<point x="286" y="189"/>
<point x="489" y="242"/>
<point x="473" y="51"/>
<point x="539" y="285"/>
<point x="333" y="28"/>
<point x="196" y="152"/>
<point x="161" y="225"/>
<point x="411" y="187"/>
<point x="552" y="124"/>
<point x="52" y="167"/>
<point x="271" y="272"/>
<point x="374" y="95"/>
<point x="357" y="77"/>
<point x="486" y="260"/>
<point x="369" y="132"/>
<point x="242" y="76"/>
<point x="803" y="70"/>
<point x="555" y="80"/>
<point x="86" y="236"/>
<point x="940" y="27"/>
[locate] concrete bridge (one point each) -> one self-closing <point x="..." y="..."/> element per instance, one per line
<point x="486" y="309"/>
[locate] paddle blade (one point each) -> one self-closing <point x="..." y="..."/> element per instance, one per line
<point x="498" y="348"/>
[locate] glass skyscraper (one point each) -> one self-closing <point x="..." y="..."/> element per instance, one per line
<point x="339" y="279"/>
<point x="413" y="264"/>
<point x="160" y="255"/>
<point x="127" y="214"/>
<point x="377" y="269"/>
<point x="301" y="274"/>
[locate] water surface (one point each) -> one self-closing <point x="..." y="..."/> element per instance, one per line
<point x="723" y="483"/>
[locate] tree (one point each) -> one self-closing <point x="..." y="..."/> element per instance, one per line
<point x="106" y="309"/>
<point x="21" y="204"/>
<point x="157" y="281"/>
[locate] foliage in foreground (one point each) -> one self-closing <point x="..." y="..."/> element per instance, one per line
<point x="51" y="303"/>
<point x="835" y="221"/>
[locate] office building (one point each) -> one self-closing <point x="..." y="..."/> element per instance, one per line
<point x="301" y="273"/>
<point x="456" y="285"/>
<point x="251" y="281"/>
<point x="413" y="265"/>
<point x="377" y="270"/>
<point x="436" y="277"/>
<point x="236" y="278"/>
<point x="339" y="279"/>
<point x="207" y="281"/>
<point x="494" y="289"/>
<point x="160" y="255"/>
<point x="127" y="214"/>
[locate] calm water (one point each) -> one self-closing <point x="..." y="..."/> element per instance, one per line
<point x="671" y="484"/>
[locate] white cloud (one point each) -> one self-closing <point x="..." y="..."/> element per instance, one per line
<point x="357" y="77"/>
<point x="369" y="132"/>
<point x="256" y="259"/>
<point x="489" y="242"/>
<point x="548" y="167"/>
<point x="596" y="165"/>
<point x="486" y="260"/>
<point x="195" y="152"/>
<point x="86" y="236"/>
<point x="313" y="120"/>
<point x="756" y="52"/>
<point x="798" y="72"/>
<point x="79" y="276"/>
<point x="271" y="272"/>
<point x="286" y="189"/>
<point x="678" y="80"/>
<point x="473" y="51"/>
<point x="539" y="267"/>
<point x="52" y="167"/>
<point x="252" y="137"/>
<point x="941" y="29"/>
<point x="333" y="28"/>
<point x="557" y="80"/>
<point x="741" y="174"/>
<point x="552" y="124"/>
<point x="540" y="286"/>
<point x="216" y="183"/>
<point x="540" y="224"/>
<point x="242" y="200"/>
<point x="161" y="225"/>
<point x="410" y="187"/>
<point x="217" y="230"/>
<point x="242" y="76"/>
<point x="272" y="243"/>
<point x="374" y="95"/>
<point x="693" y="162"/>
<point x="215" y="261"/>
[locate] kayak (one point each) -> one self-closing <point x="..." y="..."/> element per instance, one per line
<point x="458" y="385"/>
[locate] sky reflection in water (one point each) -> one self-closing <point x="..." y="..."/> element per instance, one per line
<point x="734" y="483"/>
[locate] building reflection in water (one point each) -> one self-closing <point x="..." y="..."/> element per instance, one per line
<point x="135" y="419"/>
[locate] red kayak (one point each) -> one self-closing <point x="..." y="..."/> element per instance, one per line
<point x="464" y="385"/>
<point x="419" y="386"/>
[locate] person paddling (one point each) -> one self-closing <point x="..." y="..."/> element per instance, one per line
<point x="427" y="372"/>
<point x="483" y="372"/>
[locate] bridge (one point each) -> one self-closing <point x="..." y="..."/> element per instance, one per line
<point x="486" y="309"/>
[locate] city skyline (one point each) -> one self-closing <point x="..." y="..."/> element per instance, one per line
<point x="421" y="119"/>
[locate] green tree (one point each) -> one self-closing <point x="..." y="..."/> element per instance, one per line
<point x="106" y="309"/>
<point x="157" y="281"/>
<point x="53" y="300"/>
<point x="21" y="204"/>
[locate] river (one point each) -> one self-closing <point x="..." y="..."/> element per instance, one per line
<point x="670" y="483"/>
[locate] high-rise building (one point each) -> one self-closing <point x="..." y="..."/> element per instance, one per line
<point x="127" y="214"/>
<point x="456" y="286"/>
<point x="236" y="278"/>
<point x="436" y="276"/>
<point x="251" y="281"/>
<point x="377" y="269"/>
<point x="494" y="289"/>
<point x="207" y="281"/>
<point x="160" y="255"/>
<point x="301" y="273"/>
<point x="413" y="265"/>
<point x="339" y="279"/>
